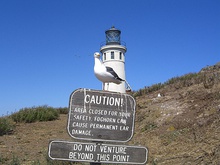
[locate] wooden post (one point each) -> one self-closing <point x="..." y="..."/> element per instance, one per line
<point x="96" y="163"/>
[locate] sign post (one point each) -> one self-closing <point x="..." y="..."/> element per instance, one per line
<point x="99" y="116"/>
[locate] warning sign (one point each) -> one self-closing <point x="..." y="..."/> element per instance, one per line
<point x="101" y="115"/>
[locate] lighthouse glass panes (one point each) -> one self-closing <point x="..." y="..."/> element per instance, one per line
<point x="113" y="36"/>
<point x="104" y="58"/>
<point x="112" y="55"/>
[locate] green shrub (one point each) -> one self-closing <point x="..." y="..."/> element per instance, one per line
<point x="149" y="127"/>
<point x="61" y="110"/>
<point x="179" y="81"/>
<point x="147" y="90"/>
<point x="6" y="126"/>
<point x="15" y="161"/>
<point x="184" y="79"/>
<point x="30" y="115"/>
<point x="2" y="160"/>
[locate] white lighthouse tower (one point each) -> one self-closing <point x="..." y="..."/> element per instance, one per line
<point x="113" y="55"/>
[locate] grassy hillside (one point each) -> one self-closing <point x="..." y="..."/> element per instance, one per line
<point x="178" y="121"/>
<point x="182" y="126"/>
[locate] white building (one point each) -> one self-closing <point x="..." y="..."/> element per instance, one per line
<point x="113" y="55"/>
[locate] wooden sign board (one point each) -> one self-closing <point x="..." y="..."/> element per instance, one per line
<point x="101" y="116"/>
<point x="97" y="153"/>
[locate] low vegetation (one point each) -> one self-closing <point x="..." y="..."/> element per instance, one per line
<point x="179" y="81"/>
<point x="29" y="115"/>
<point x="208" y="79"/>
<point x="6" y="126"/>
<point x="16" y="161"/>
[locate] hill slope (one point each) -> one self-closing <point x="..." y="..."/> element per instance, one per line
<point x="182" y="126"/>
<point x="179" y="123"/>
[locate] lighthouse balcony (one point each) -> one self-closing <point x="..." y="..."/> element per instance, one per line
<point x="104" y="43"/>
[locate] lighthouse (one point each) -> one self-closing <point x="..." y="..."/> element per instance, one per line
<point x="113" y="55"/>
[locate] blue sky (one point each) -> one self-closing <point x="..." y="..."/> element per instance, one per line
<point x="47" y="46"/>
